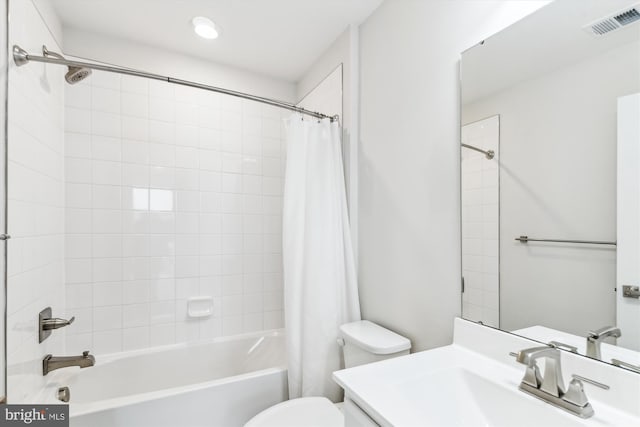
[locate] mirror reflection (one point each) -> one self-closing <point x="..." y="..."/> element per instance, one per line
<point x="550" y="219"/>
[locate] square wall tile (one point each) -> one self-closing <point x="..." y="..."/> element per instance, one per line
<point x="172" y="193"/>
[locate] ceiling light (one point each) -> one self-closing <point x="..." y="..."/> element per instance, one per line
<point x="204" y="27"/>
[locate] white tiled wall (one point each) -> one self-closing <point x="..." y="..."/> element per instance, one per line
<point x="480" y="222"/>
<point x="36" y="205"/>
<point x="171" y="193"/>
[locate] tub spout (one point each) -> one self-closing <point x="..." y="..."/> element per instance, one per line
<point x="51" y="363"/>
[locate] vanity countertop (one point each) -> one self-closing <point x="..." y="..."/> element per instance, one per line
<point x="458" y="386"/>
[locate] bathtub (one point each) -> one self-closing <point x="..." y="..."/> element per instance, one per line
<point x="223" y="382"/>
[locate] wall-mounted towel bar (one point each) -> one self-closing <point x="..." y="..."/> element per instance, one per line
<point x="525" y="239"/>
<point x="489" y="154"/>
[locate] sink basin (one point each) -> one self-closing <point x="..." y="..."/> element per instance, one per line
<point x="474" y="382"/>
<point x="437" y="388"/>
<point x="458" y="397"/>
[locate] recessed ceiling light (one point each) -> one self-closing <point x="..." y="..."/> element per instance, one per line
<point x="205" y="28"/>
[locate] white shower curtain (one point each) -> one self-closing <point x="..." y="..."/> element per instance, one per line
<point x="320" y="287"/>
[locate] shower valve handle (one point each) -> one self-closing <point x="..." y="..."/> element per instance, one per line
<point x="55" y="323"/>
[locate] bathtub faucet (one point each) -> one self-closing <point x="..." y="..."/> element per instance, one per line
<point x="51" y="363"/>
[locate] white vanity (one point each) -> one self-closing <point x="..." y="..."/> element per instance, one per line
<point x="474" y="382"/>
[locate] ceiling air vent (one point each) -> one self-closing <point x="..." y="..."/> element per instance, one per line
<point x="627" y="17"/>
<point x="614" y="22"/>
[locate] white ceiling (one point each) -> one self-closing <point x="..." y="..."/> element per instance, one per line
<point x="546" y="40"/>
<point x="279" y="38"/>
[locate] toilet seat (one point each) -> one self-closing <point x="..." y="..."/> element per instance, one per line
<point x="302" y="412"/>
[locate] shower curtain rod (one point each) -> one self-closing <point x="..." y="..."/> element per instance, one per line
<point x="21" y="57"/>
<point x="489" y="154"/>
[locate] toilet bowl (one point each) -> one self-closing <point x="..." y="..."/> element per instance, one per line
<point x="361" y="342"/>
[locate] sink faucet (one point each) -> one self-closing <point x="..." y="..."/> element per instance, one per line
<point x="551" y="382"/>
<point x="594" y="339"/>
<point x="550" y="386"/>
<point x="51" y="363"/>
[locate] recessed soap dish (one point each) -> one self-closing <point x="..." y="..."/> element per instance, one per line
<point x="200" y="307"/>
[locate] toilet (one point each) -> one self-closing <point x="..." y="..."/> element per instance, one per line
<point x="361" y="342"/>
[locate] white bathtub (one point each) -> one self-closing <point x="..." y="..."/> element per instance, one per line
<point x="224" y="382"/>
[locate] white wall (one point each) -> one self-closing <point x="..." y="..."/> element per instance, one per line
<point x="172" y="193"/>
<point x="409" y="245"/>
<point x="327" y="96"/>
<point x="338" y="65"/>
<point x="50" y="18"/>
<point x="558" y="180"/>
<point x="337" y="54"/>
<point x="151" y="59"/>
<point x="36" y="205"/>
<point x="628" y="261"/>
<point x="480" y="214"/>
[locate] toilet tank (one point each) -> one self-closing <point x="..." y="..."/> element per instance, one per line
<point x="365" y="342"/>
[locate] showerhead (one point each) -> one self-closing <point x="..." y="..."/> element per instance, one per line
<point x="75" y="74"/>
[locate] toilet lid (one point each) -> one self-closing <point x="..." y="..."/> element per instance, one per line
<point x="374" y="338"/>
<point x="302" y="412"/>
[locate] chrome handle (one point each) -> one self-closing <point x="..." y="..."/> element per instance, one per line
<point x="563" y="346"/>
<point x="529" y="355"/>
<point x="629" y="291"/>
<point x="575" y="394"/>
<point x="55" y="323"/>
<point x="47" y="323"/>
<point x="4" y="237"/>
<point x="629" y="366"/>
<point x="590" y="381"/>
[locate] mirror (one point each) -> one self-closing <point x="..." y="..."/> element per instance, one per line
<point x="550" y="176"/>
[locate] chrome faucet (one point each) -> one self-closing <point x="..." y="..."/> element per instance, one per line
<point x="551" y="382"/>
<point x="51" y="363"/>
<point x="550" y="386"/>
<point x="594" y="339"/>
